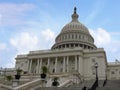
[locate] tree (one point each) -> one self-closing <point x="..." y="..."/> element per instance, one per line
<point x="55" y="81"/>
<point x="19" y="71"/>
<point x="9" y="77"/>
<point x="44" y="71"/>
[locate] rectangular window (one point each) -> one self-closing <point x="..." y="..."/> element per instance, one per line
<point x="61" y="70"/>
<point x="61" y="62"/>
<point x="112" y="72"/>
<point x="53" y="63"/>
<point x="93" y="60"/>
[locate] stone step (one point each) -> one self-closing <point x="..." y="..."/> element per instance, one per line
<point x="108" y="88"/>
<point x="111" y="85"/>
<point x="58" y="88"/>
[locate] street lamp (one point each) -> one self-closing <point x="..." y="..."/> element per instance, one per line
<point x="96" y="67"/>
<point x="5" y="72"/>
<point x="1" y="71"/>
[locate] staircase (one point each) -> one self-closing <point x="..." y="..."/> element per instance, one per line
<point x="111" y="85"/>
<point x="87" y="84"/>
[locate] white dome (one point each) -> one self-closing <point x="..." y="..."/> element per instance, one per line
<point x="75" y="25"/>
<point x="74" y="34"/>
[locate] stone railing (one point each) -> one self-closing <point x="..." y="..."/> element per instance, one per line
<point x="39" y="51"/>
<point x="6" y="87"/>
<point x="26" y="86"/>
<point x="29" y="85"/>
<point x="114" y="63"/>
<point x="78" y="76"/>
<point x="66" y="83"/>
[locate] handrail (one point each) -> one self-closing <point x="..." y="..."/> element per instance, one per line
<point x="105" y="81"/>
<point x="94" y="86"/>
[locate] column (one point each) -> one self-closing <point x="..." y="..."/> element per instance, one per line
<point x="40" y="66"/>
<point x="80" y="65"/>
<point x="37" y="69"/>
<point x="56" y="64"/>
<point x="65" y="46"/>
<point x="75" y="63"/>
<point x="30" y="66"/>
<point x="64" y="64"/>
<point x="67" y="64"/>
<point x="48" y="64"/>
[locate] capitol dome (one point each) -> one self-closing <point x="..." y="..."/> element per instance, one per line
<point x="74" y="34"/>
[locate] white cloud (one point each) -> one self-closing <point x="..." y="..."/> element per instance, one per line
<point x="2" y="46"/>
<point x="48" y="34"/>
<point x="12" y="14"/>
<point x="108" y="41"/>
<point x="97" y="7"/>
<point x="10" y="64"/>
<point x="24" y="42"/>
<point x="101" y="36"/>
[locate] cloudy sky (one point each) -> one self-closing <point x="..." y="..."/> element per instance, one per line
<point x="27" y="25"/>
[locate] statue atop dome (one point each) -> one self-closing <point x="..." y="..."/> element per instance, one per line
<point x="75" y="10"/>
<point x="75" y="15"/>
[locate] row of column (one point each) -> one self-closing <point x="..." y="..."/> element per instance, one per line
<point x="74" y="45"/>
<point x="38" y="63"/>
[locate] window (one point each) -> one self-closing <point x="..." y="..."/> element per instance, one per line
<point x="53" y="70"/>
<point x="61" y="62"/>
<point x="108" y="70"/>
<point x="76" y="36"/>
<point x="59" y="38"/>
<point x="53" y="62"/>
<point x="61" y="70"/>
<point x="21" y="64"/>
<point x="79" y="37"/>
<point x="93" y="60"/>
<point x="65" y="37"/>
<point x="62" y="37"/>
<point x="73" y="68"/>
<point x="83" y="37"/>
<point x="72" y="61"/>
<point x="72" y="36"/>
<point x="112" y="72"/>
<point x="93" y="73"/>
<point x="69" y="36"/>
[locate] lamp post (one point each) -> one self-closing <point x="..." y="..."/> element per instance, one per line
<point x="1" y="71"/>
<point x="96" y="67"/>
<point x="5" y="72"/>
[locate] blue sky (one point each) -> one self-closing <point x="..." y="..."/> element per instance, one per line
<point x="27" y="25"/>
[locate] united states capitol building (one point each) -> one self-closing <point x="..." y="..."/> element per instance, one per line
<point x="72" y="58"/>
<point x="74" y="50"/>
